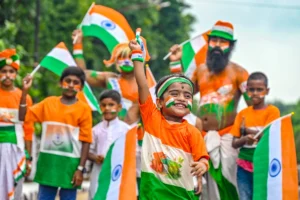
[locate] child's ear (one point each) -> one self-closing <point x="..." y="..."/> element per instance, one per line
<point x="158" y="103"/>
<point x="119" y="107"/>
<point x="268" y="90"/>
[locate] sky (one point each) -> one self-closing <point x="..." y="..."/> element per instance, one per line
<point x="268" y="38"/>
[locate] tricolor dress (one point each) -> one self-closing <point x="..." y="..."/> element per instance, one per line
<point x="12" y="135"/>
<point x="167" y="152"/>
<point x="64" y="128"/>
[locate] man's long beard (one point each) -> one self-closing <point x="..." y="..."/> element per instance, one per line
<point x="216" y="62"/>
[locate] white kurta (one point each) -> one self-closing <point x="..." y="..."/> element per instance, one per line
<point x="104" y="134"/>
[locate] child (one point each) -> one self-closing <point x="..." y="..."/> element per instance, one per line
<point x="173" y="151"/>
<point x="12" y="154"/>
<point x="248" y="122"/>
<point x="105" y="133"/>
<point x="66" y="136"/>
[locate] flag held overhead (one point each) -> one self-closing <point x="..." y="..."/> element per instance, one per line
<point x="143" y="43"/>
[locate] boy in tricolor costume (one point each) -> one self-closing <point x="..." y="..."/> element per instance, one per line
<point x="124" y="82"/>
<point x="221" y="83"/>
<point x="66" y="136"/>
<point x="13" y="162"/>
<point x="247" y="123"/>
<point x="105" y="133"/>
<point x="173" y="151"/>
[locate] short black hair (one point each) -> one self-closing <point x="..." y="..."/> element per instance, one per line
<point x="113" y="94"/>
<point x="258" y="76"/>
<point x="163" y="79"/>
<point x="75" y="71"/>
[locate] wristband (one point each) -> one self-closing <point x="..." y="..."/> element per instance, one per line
<point x="77" y="51"/>
<point x="137" y="55"/>
<point x="175" y="67"/>
<point x="23" y="105"/>
<point x="28" y="157"/>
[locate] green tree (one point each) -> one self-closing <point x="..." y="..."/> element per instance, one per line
<point x="58" y="18"/>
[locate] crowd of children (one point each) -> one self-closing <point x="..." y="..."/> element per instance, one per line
<point x="189" y="153"/>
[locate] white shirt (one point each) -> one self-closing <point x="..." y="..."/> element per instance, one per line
<point x="104" y="134"/>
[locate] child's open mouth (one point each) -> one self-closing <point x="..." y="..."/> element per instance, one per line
<point x="180" y="105"/>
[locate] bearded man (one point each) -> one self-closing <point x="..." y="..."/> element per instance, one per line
<point x="221" y="83"/>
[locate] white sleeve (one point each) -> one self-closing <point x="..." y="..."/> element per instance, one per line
<point x="93" y="146"/>
<point x="191" y="119"/>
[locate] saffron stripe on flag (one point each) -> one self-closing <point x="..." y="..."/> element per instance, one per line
<point x="117" y="179"/>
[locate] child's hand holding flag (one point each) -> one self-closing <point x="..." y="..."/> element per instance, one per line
<point x="142" y="42"/>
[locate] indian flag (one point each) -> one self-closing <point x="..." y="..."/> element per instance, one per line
<point x="275" y="165"/>
<point x="60" y="58"/>
<point x="108" y="25"/>
<point x="194" y="53"/>
<point x="117" y="179"/>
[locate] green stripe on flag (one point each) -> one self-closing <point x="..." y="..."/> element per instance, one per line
<point x="188" y="57"/>
<point x="100" y="33"/>
<point x="57" y="67"/>
<point x="153" y="188"/>
<point x="105" y="176"/>
<point x="226" y="189"/>
<point x="54" y="65"/>
<point x="8" y="134"/>
<point x="55" y="170"/>
<point x="89" y="94"/>
<point x="261" y="167"/>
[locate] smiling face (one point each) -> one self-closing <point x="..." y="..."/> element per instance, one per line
<point x="257" y="91"/>
<point x="109" y="108"/>
<point x="7" y="75"/>
<point x="71" y="85"/>
<point x="176" y="101"/>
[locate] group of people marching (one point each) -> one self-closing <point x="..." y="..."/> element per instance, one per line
<point x="178" y="150"/>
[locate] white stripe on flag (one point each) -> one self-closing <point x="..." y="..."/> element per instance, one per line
<point x="117" y="160"/>
<point x="63" y="55"/>
<point x="190" y="70"/>
<point x="274" y="184"/>
<point x="116" y="31"/>
<point x="198" y="43"/>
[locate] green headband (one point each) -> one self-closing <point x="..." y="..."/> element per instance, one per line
<point x="170" y="81"/>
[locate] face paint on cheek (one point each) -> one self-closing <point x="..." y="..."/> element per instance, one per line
<point x="170" y="101"/>
<point x="190" y="105"/>
<point x="113" y="111"/>
<point x="225" y="48"/>
<point x="65" y="85"/>
<point x="211" y="45"/>
<point x="2" y="77"/>
<point x="11" y="77"/>
<point x="223" y="45"/>
<point x="260" y="95"/>
<point x="77" y="88"/>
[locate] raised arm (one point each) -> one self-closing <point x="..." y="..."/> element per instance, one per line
<point x="139" y="73"/>
<point x="78" y="48"/>
<point x="94" y="78"/>
<point x="175" y="59"/>
<point x="98" y="79"/>
<point x="27" y="82"/>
